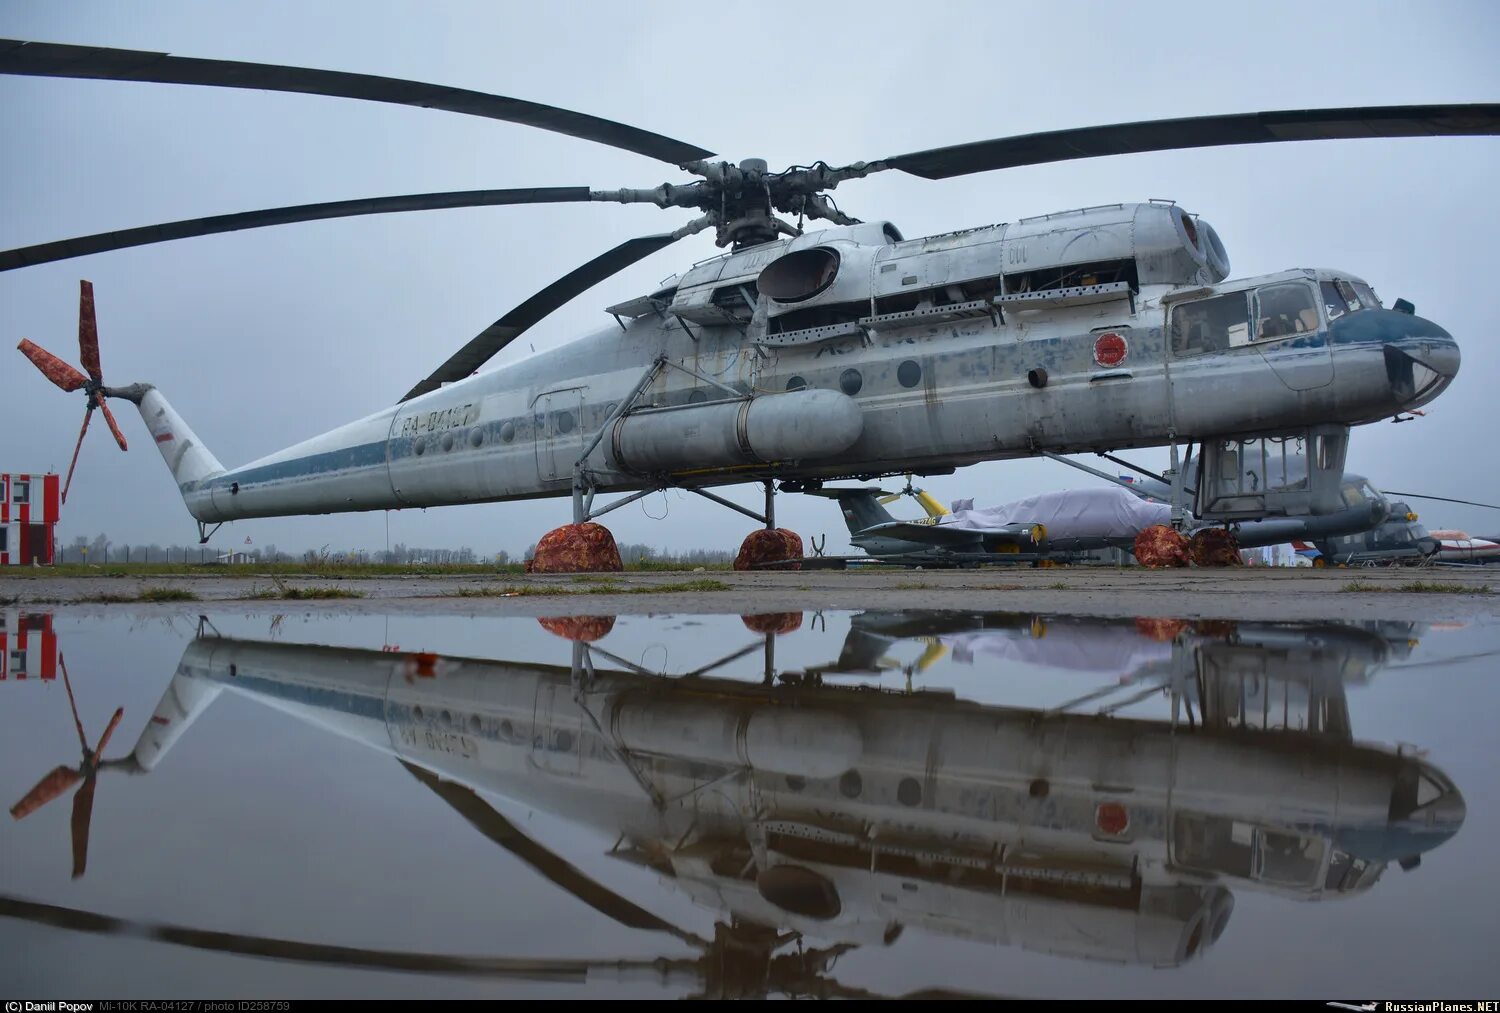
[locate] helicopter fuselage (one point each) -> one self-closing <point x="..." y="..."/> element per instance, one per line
<point x="995" y="353"/>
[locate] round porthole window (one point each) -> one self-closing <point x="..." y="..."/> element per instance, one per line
<point x="476" y="437"/>
<point x="697" y="397"/>
<point x="418" y="446"/>
<point x="447" y="442"/>
<point x="909" y="791"/>
<point x="564" y="422"/>
<point x="796" y="383"/>
<point x="850" y="381"/>
<point x="851" y="784"/>
<point x="507" y="432"/>
<point x="909" y="373"/>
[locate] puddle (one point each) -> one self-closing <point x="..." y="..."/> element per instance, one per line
<point x="795" y="804"/>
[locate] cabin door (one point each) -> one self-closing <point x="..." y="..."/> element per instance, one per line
<point x="557" y="419"/>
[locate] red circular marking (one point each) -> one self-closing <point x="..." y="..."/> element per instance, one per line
<point x="1110" y="349"/>
<point x="1112" y="818"/>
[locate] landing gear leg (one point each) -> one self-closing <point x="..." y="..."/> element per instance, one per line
<point x="1179" y="513"/>
<point x="770" y="505"/>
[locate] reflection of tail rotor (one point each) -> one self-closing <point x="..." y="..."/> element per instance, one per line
<point x="62" y="778"/>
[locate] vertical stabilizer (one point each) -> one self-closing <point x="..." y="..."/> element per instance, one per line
<point x="180" y="447"/>
<point x="860" y="506"/>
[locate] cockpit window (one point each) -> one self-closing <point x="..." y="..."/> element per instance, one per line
<point x="1367" y="297"/>
<point x="1288" y="858"/>
<point x="1332" y="301"/>
<point x="1353" y="495"/>
<point x="1283" y="311"/>
<point x="1211" y="325"/>
<point x="1347" y="291"/>
<point x="1233" y="847"/>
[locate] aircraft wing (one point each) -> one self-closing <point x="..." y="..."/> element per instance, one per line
<point x="941" y="536"/>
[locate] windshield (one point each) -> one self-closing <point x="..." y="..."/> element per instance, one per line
<point x="1355" y="295"/>
<point x="1367" y="297"/>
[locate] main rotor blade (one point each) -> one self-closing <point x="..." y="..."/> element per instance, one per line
<point x="88" y="331"/>
<point x="492" y="824"/>
<point x="82" y="246"/>
<point x="515" y="323"/>
<point x="524" y="968"/>
<point x="1440" y="499"/>
<point x="41" y="59"/>
<point x="1200" y="132"/>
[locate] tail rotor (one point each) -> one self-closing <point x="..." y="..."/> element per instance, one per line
<point x="68" y="378"/>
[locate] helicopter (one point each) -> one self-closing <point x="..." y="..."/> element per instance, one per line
<point x="803" y="355"/>
<point x="797" y="810"/>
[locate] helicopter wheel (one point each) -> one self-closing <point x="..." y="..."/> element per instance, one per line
<point x="1320" y="564"/>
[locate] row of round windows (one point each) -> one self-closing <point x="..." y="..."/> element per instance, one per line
<point x="475" y="437"/>
<point x="851" y="381"/>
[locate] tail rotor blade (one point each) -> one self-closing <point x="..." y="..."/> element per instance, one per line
<point x="53" y="368"/>
<point x="88" y="331"/>
<point x="47" y="789"/>
<point x="109" y="419"/>
<point x="83" y="815"/>
<point x="68" y="482"/>
<point x="114" y="723"/>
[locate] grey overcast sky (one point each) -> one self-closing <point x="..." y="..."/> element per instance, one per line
<point x="263" y="338"/>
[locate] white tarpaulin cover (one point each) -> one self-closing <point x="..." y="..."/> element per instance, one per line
<point x="1116" y="650"/>
<point x="1075" y="513"/>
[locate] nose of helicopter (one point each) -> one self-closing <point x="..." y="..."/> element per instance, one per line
<point x="1421" y="358"/>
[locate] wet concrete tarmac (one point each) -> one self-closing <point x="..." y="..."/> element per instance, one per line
<point x="1249" y="593"/>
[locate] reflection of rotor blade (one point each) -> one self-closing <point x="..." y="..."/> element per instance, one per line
<point x="102" y="242"/>
<point x="491" y="823"/>
<point x="1441" y="499"/>
<point x="48" y="788"/>
<point x="109" y="730"/>
<point x="529" y="969"/>
<point x="83" y="742"/>
<point x="40" y="59"/>
<point x="488" y="343"/>
<point x="1200" y="132"/>
<point x="83" y="815"/>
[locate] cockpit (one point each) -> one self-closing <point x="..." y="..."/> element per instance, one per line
<point x="1280" y="306"/>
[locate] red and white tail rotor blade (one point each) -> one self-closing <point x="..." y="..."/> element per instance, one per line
<point x="68" y="482"/>
<point x="88" y="332"/>
<point x="109" y="418"/>
<point x="53" y="368"/>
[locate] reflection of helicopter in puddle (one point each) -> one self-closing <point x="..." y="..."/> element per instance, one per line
<point x="803" y="808"/>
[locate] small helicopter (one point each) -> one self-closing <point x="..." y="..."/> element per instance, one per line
<point x="803" y="355"/>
